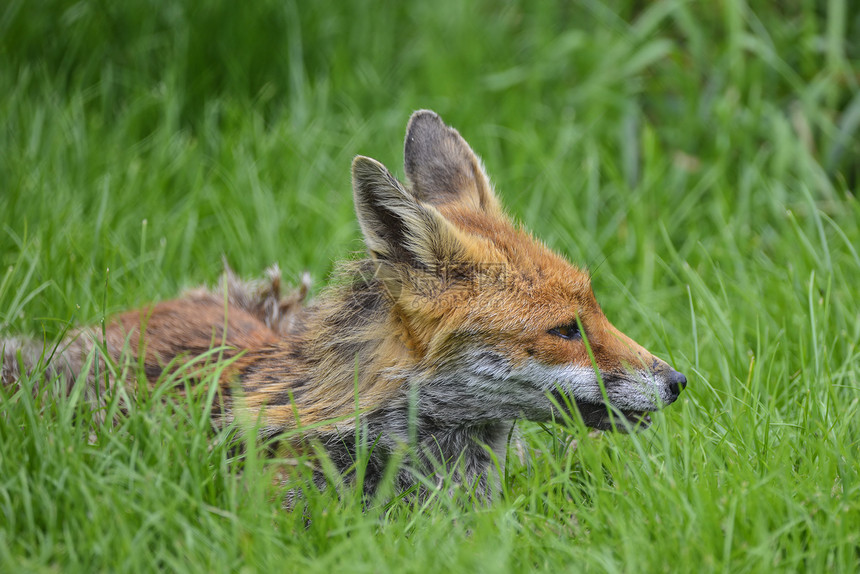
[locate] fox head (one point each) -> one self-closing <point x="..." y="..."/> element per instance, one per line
<point x="494" y="324"/>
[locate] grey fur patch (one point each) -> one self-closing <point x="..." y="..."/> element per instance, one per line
<point x="65" y="362"/>
<point x="19" y="357"/>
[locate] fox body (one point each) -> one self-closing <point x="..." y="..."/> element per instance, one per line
<point x="456" y="323"/>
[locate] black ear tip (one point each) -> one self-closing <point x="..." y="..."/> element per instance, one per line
<point x="424" y="117"/>
<point x="363" y="165"/>
<point x="425" y="113"/>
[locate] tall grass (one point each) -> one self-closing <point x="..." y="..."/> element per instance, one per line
<point x="701" y="158"/>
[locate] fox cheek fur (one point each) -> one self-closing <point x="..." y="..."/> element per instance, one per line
<point x="457" y="322"/>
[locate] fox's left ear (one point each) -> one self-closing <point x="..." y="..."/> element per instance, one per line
<point x="396" y="227"/>
<point x="442" y="167"/>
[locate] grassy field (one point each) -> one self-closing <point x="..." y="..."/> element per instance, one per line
<point x="702" y="158"/>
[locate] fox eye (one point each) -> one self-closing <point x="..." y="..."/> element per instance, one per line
<point x="570" y="331"/>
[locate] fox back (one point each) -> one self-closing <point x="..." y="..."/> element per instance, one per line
<point x="456" y="323"/>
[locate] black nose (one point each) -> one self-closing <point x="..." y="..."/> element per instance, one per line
<point x="677" y="383"/>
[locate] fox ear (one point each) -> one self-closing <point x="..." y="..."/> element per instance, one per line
<point x="442" y="167"/>
<point x="396" y="227"/>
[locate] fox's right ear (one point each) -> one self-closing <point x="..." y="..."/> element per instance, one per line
<point x="396" y="227"/>
<point x="442" y="167"/>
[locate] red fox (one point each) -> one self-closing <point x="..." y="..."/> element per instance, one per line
<point x="455" y="324"/>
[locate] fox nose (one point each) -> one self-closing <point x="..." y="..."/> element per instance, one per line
<point x="677" y="383"/>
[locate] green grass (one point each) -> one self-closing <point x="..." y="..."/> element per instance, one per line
<point x="702" y="158"/>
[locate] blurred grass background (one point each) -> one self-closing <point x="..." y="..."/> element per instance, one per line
<point x="702" y="158"/>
